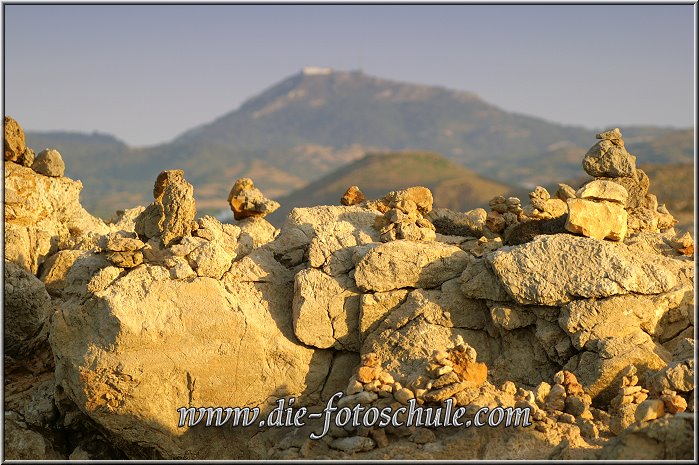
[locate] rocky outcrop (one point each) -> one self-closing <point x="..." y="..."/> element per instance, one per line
<point x="157" y="309"/>
<point x="49" y="163"/>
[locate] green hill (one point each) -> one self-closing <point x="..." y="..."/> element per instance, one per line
<point x="452" y="185"/>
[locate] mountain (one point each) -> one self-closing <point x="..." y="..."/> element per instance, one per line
<point x="313" y="123"/>
<point x="452" y="185"/>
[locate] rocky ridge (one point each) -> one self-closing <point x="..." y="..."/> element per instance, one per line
<point x="116" y="325"/>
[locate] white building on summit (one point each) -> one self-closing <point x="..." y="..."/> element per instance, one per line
<point x="316" y="70"/>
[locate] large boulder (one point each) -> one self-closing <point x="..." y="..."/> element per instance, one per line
<point x="398" y="264"/>
<point x="553" y="270"/>
<point x="141" y="345"/>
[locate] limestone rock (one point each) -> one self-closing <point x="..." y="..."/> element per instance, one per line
<point x="353" y="444"/>
<point x="210" y="260"/>
<point x="422" y="197"/>
<point x="607" y="159"/>
<point x="42" y="212"/>
<point x="552" y="270"/>
<point x="49" y="163"/>
<point x="14" y="140"/>
<point x="669" y="438"/>
<point x="326" y="310"/>
<point x="398" y="264"/>
<point x="171" y="343"/>
<point x="451" y="223"/>
<point x="55" y="269"/>
<point x="612" y="134"/>
<point x="246" y="200"/>
<point x="170" y="216"/>
<point x="479" y="282"/>
<point x="353" y="196"/>
<point x="600" y="220"/>
<point x="604" y="190"/>
<point x="27" y="306"/>
<point x="650" y="410"/>
<point x="565" y="192"/>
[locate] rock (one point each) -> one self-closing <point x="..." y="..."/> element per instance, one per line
<point x="605" y="159"/>
<point x="422" y="197"/>
<point x="600" y="220"/>
<point x="14" y="140"/>
<point x="49" y="163"/>
<point x="669" y="438"/>
<point x="650" y="410"/>
<point x="246" y="200"/>
<point x="201" y="343"/>
<point x="451" y="223"/>
<point x="55" y="269"/>
<point x="403" y="395"/>
<point x="672" y="402"/>
<point x="398" y="264"/>
<point x="27" y="306"/>
<point x="511" y="317"/>
<point x="326" y="310"/>
<point x="373" y="308"/>
<point x="422" y="436"/>
<point x="21" y="443"/>
<point x="555" y="400"/>
<point x="353" y="196"/>
<point x="676" y="376"/>
<point x="42" y="212"/>
<point x="210" y="260"/>
<point x="353" y="444"/>
<point x="565" y="192"/>
<point x="171" y="215"/>
<point x="479" y="282"/>
<point x="552" y="270"/>
<point x="125" y="259"/>
<point x="604" y="190"/>
<point x="612" y="134"/>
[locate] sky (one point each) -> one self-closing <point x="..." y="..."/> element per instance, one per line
<point x="146" y="73"/>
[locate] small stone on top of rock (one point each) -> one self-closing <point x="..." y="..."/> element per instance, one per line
<point x="247" y="201"/>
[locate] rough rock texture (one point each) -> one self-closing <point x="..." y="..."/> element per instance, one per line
<point x="591" y="336"/>
<point x="398" y="264"/>
<point x="49" y="163"/>
<point x="353" y="196"/>
<point x="609" y="159"/>
<point x="15" y="148"/>
<point x="600" y="220"/>
<point x="170" y="216"/>
<point x="246" y="200"/>
<point x="552" y="270"/>
<point x="26" y="307"/>
<point x="41" y="213"/>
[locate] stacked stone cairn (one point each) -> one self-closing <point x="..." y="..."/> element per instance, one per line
<point x="404" y="215"/>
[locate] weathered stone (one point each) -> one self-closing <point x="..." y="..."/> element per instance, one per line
<point x="246" y="200"/>
<point x="669" y="438"/>
<point x="210" y="260"/>
<point x="565" y="192"/>
<point x="375" y="307"/>
<point x="552" y="270"/>
<point x="604" y="190"/>
<point x="14" y="139"/>
<point x="27" y="306"/>
<point x="353" y="444"/>
<point x="605" y="159"/>
<point x="353" y="196"/>
<point x="171" y="215"/>
<point x="125" y="259"/>
<point x="600" y="220"/>
<point x="49" y="163"/>
<point x="422" y="197"/>
<point x="326" y="310"/>
<point x="398" y="264"/>
<point x="611" y="134"/>
<point x="650" y="410"/>
<point x="42" y="212"/>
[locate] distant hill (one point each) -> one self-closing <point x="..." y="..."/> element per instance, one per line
<point x="452" y="185"/>
<point x="309" y="125"/>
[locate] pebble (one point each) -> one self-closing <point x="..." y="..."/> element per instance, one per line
<point x="353" y="444"/>
<point x="403" y="395"/>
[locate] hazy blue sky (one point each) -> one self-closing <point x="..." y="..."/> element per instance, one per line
<point x="147" y="73"/>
